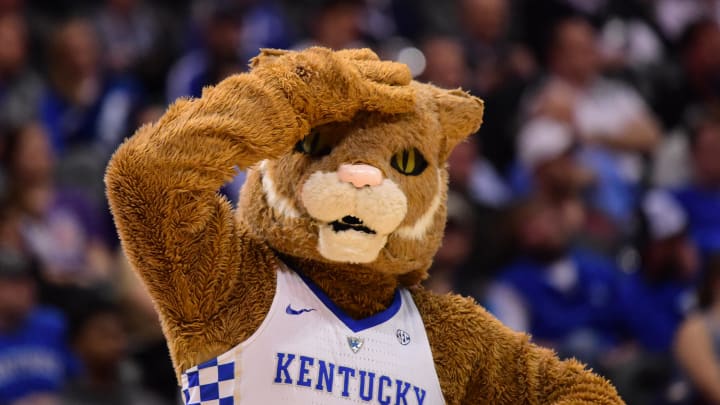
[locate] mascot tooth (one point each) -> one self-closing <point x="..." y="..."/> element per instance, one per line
<point x="309" y="291"/>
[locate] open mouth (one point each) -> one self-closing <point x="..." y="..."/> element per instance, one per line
<point x="349" y="222"/>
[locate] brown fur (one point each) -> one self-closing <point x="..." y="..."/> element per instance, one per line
<point x="203" y="263"/>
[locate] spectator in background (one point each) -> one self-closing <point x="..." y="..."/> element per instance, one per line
<point x="140" y="39"/>
<point x="547" y="154"/>
<point x="697" y="342"/>
<point x="217" y="58"/>
<point x="10" y="230"/>
<point x="471" y="175"/>
<point x="483" y="193"/>
<point x="674" y="16"/>
<point x="562" y="296"/>
<point x="264" y="26"/>
<point x="57" y="225"/>
<point x="456" y="248"/>
<point x="85" y="107"/>
<point x="629" y="41"/>
<point x="446" y="64"/>
<point x="559" y="293"/>
<point x="34" y="361"/>
<point x="614" y="127"/>
<point x="684" y="94"/>
<point x="11" y="6"/>
<point x="494" y="58"/>
<point x="128" y="33"/>
<point x="701" y="198"/>
<point x="655" y="298"/>
<point x="20" y="87"/>
<point x="99" y="339"/>
<point x="336" y="24"/>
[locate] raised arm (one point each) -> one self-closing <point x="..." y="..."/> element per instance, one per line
<point x="162" y="183"/>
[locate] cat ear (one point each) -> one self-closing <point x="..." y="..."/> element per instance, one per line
<point x="266" y="55"/>
<point x="460" y="115"/>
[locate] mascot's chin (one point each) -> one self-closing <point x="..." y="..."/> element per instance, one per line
<point x="349" y="245"/>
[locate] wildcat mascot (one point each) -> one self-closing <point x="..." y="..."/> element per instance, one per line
<point x="308" y="293"/>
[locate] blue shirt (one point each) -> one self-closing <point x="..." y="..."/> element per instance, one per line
<point x="557" y="313"/>
<point x="34" y="359"/>
<point x="702" y="207"/>
<point x="652" y="312"/>
<point x="104" y="123"/>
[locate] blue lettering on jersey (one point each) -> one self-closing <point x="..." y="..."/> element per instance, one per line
<point x="304" y="363"/>
<point x="309" y="369"/>
<point x="419" y="394"/>
<point x="325" y="374"/>
<point x="346" y="371"/>
<point x="366" y="396"/>
<point x="402" y="391"/>
<point x="283" y="368"/>
<point x="384" y="399"/>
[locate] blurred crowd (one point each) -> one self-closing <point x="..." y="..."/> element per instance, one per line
<point x="586" y="211"/>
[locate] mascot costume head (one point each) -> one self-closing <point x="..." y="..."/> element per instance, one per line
<point x="369" y="191"/>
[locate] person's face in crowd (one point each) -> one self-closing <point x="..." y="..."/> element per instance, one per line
<point x="11" y="6"/>
<point x="706" y="153"/>
<point x="453" y="252"/>
<point x="574" y="55"/>
<point x="446" y="64"/>
<point x="122" y="6"/>
<point x="460" y="163"/>
<point x="541" y="231"/>
<point x="11" y="229"/>
<point x="77" y="50"/>
<point x="32" y="159"/>
<point x="702" y="58"/>
<point x="339" y="25"/>
<point x="223" y="38"/>
<point x="675" y="257"/>
<point x="557" y="101"/>
<point x="562" y="177"/>
<point x="486" y="20"/>
<point x="102" y="343"/>
<point x="14" y="44"/>
<point x="716" y="290"/>
<point x="17" y="299"/>
<point x="456" y="245"/>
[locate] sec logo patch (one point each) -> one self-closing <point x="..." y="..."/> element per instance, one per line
<point x="403" y="337"/>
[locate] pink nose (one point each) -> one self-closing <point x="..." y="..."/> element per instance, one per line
<point x="360" y="175"/>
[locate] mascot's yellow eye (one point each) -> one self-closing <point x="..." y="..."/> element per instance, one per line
<point x="409" y="162"/>
<point x="314" y="145"/>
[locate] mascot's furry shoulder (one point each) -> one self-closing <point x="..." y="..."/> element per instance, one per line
<point x="308" y="292"/>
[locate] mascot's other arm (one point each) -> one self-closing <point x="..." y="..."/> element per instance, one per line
<point x="527" y="373"/>
<point x="481" y="361"/>
<point x="180" y="236"/>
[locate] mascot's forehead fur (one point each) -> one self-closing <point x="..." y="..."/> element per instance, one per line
<point x="292" y="201"/>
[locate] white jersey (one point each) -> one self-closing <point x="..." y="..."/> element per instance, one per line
<point x="307" y="351"/>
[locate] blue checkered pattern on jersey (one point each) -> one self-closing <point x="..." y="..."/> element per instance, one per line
<point x="209" y="383"/>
